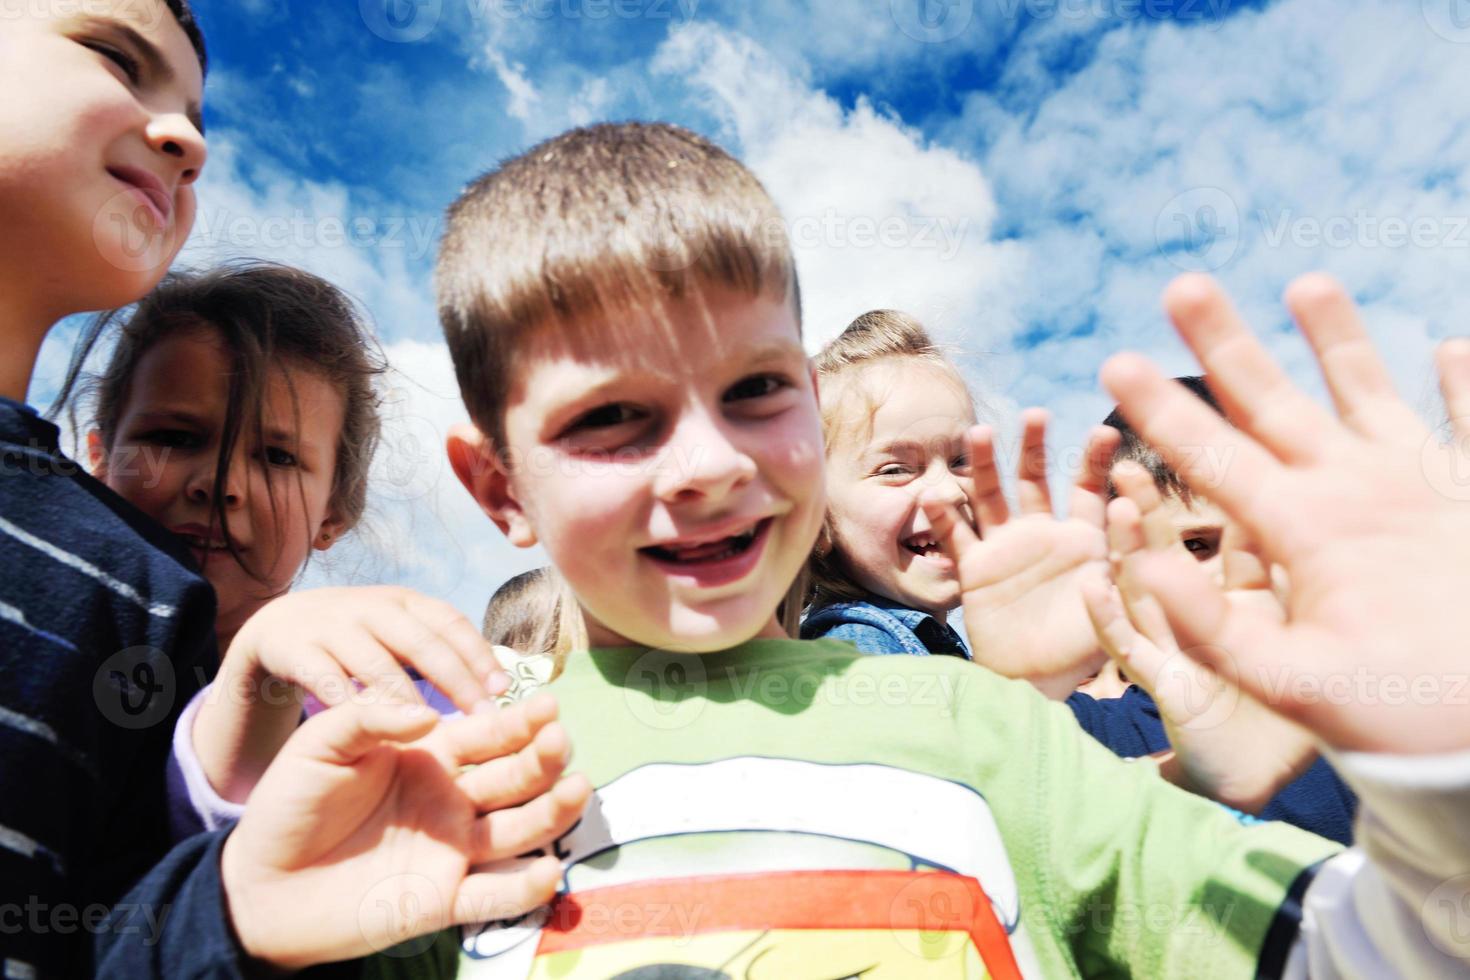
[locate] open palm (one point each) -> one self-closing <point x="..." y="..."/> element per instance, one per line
<point x="1226" y="744"/>
<point x="1362" y="510"/>
<point x="1019" y="576"/>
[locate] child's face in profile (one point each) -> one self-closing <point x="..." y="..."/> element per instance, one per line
<point x="166" y="446"/>
<point x="673" y="475"/>
<point x="919" y="414"/>
<point x="99" y="104"/>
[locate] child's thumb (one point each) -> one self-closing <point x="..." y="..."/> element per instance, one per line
<point x="954" y="532"/>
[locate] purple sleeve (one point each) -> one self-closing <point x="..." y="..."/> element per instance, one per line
<point x="193" y="804"/>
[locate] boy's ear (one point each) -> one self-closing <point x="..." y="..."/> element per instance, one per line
<point x="816" y="390"/>
<point x="474" y="461"/>
<point x="96" y="455"/>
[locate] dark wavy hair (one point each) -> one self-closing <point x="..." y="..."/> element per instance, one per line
<point x="263" y="313"/>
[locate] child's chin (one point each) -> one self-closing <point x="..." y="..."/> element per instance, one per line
<point x="706" y="631"/>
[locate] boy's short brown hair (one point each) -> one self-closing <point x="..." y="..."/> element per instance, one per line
<point x="597" y="221"/>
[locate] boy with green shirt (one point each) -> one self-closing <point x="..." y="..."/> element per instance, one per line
<point x="625" y="328"/>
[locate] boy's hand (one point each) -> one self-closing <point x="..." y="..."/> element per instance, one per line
<point x="1361" y="510"/>
<point x="364" y="832"/>
<point x="326" y="642"/>
<point x="1019" y="578"/>
<point x="1227" y="746"/>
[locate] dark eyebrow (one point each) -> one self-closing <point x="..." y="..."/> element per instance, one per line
<point x="284" y="436"/>
<point x="1200" y="529"/>
<point x="153" y="59"/>
<point x="169" y="415"/>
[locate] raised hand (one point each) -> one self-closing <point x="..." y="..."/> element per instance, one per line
<point x="1362" y="510"/>
<point x="1020" y="575"/>
<point x="336" y="644"/>
<point x="364" y="832"/>
<point x="1226" y="745"/>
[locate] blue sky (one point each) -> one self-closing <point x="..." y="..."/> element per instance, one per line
<point x="1024" y="175"/>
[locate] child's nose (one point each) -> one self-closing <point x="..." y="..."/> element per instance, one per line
<point x="944" y="485"/>
<point x="173" y="135"/>
<point x="201" y="486"/>
<point x="700" y="460"/>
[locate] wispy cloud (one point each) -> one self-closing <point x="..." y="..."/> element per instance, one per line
<point x="1023" y="175"/>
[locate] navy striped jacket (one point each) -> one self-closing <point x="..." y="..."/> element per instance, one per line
<point x="106" y="632"/>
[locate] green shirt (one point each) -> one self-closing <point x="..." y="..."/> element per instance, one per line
<point x="792" y="809"/>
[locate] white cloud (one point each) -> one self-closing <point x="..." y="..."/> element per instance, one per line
<point x="1301" y="116"/>
<point x="523" y="95"/>
<point x="879" y="217"/>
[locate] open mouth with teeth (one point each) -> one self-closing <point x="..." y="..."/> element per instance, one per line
<point x="710" y="552"/>
<point x="924" y="545"/>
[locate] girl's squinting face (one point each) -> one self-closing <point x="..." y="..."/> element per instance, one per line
<point x="902" y="433"/>
<point x="166" y="446"/>
<point x="673" y="475"/>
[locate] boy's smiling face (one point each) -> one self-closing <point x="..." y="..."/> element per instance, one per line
<point x="671" y="464"/>
<point x="100" y="106"/>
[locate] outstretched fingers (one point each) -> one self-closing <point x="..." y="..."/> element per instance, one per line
<point x="1243" y="645"/>
<point x="1090" y="488"/>
<point x="956" y="536"/>
<point x="1256" y="393"/>
<point x="1356" y="376"/>
<point x="1222" y="463"/>
<point x="1033" y="494"/>
<point x="1135" y="656"/>
<point x="1134" y="483"/>
<point x="1244" y="566"/>
<point x="987" y="498"/>
<point x="1453" y="361"/>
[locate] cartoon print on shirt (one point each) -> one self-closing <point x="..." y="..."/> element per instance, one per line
<point x="763" y="868"/>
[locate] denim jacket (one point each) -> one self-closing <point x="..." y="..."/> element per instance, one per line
<point x="877" y="625"/>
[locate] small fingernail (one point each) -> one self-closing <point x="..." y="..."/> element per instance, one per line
<point x="498" y="682"/>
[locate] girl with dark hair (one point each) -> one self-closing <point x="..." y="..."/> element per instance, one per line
<point x="238" y="409"/>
